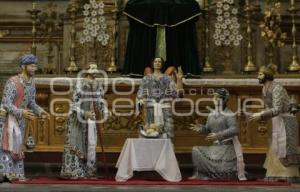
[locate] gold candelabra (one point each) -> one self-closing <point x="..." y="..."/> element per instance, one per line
<point x="294" y="66"/>
<point x="112" y="67"/>
<point x="207" y="67"/>
<point x="72" y="9"/>
<point x="50" y="24"/>
<point x="250" y="66"/>
<point x="270" y="29"/>
<point x="34" y="16"/>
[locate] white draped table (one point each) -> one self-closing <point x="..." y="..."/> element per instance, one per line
<point x="145" y="155"/>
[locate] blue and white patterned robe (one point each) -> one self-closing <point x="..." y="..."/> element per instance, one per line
<point x="75" y="162"/>
<point x="9" y="167"/>
<point x="157" y="90"/>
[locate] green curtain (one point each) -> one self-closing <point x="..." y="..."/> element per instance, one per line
<point x="160" y="50"/>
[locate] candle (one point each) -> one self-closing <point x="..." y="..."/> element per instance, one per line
<point x="33" y="5"/>
<point x="292" y="2"/>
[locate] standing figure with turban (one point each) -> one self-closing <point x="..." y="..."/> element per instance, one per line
<point x="79" y="156"/>
<point x="282" y="159"/>
<point x="18" y="104"/>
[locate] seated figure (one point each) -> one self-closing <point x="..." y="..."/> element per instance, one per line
<point x="224" y="158"/>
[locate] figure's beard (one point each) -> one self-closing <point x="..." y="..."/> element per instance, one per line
<point x="30" y="73"/>
<point x="262" y="80"/>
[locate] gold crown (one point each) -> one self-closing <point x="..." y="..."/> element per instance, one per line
<point x="93" y="68"/>
<point x="268" y="70"/>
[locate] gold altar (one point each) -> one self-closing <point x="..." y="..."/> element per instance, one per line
<point x="49" y="134"/>
<point x="56" y="42"/>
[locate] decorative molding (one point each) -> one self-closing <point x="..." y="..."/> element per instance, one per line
<point x="65" y="81"/>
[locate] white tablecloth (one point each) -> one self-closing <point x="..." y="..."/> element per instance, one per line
<point x="145" y="155"/>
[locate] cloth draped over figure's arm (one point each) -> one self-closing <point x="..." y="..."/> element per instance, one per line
<point x="9" y="94"/>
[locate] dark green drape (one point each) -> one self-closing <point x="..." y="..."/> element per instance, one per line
<point x="140" y="49"/>
<point x="179" y="18"/>
<point x="162" y="12"/>
<point x="182" y="47"/>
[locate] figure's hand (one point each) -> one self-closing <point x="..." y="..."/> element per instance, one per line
<point x="17" y="157"/>
<point x="90" y="115"/>
<point x="28" y="114"/>
<point x="2" y="113"/>
<point x="293" y="108"/>
<point x="179" y="77"/>
<point x="45" y="115"/>
<point x="140" y="104"/>
<point x="254" y="117"/>
<point x="107" y="114"/>
<point x="196" y="127"/>
<point x="211" y="137"/>
<point x="179" y="74"/>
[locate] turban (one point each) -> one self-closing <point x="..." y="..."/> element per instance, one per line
<point x="28" y="59"/>
<point x="223" y="94"/>
<point x="93" y="69"/>
<point x="268" y="70"/>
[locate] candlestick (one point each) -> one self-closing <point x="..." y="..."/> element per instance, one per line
<point x="294" y="66"/>
<point x="72" y="12"/>
<point x="34" y="15"/>
<point x="207" y="67"/>
<point x="292" y="2"/>
<point x="250" y="66"/>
